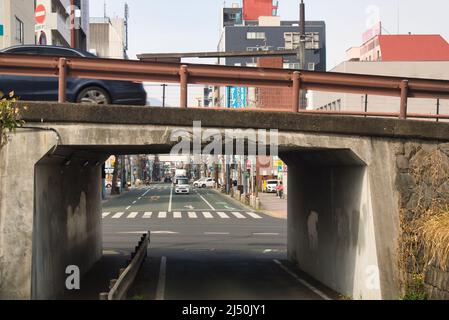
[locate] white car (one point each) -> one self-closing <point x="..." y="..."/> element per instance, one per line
<point x="271" y="186"/>
<point x="182" y="186"/>
<point x="204" y="183"/>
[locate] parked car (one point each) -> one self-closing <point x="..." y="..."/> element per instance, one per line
<point x="271" y="186"/>
<point x="198" y="182"/>
<point x="182" y="186"/>
<point x="205" y="183"/>
<point x="80" y="90"/>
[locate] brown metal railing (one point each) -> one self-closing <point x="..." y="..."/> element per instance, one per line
<point x="185" y="74"/>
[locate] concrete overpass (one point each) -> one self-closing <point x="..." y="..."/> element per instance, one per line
<point x="347" y="183"/>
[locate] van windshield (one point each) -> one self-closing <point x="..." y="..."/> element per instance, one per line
<point x="272" y="182"/>
<point x="183" y="181"/>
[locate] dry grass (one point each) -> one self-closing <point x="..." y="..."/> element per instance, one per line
<point x="434" y="233"/>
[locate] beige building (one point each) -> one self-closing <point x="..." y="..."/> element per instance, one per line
<point x="356" y="102"/>
<point x="16" y="22"/>
<point x="108" y="37"/>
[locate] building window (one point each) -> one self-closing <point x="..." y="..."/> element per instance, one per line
<point x="311" y="66"/>
<point x="255" y="35"/>
<point x="251" y="64"/>
<point x="292" y="66"/>
<point x="19" y="31"/>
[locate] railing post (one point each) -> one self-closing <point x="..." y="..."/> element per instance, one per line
<point x="183" y="73"/>
<point x="62" y="80"/>
<point x="404" y="98"/>
<point x="296" y="91"/>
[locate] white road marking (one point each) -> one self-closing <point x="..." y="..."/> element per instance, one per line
<point x="162" y="215"/>
<point x="216" y="233"/>
<point x="132" y="215"/>
<point x="265" y="234"/>
<point x="192" y="215"/>
<point x="238" y="215"/>
<point x="303" y="282"/>
<point x="208" y="215"/>
<point x="223" y="215"/>
<point x="105" y="214"/>
<point x="169" y="203"/>
<point x="140" y="198"/>
<point x="134" y="202"/>
<point x="118" y="215"/>
<point x="160" y="292"/>
<point x="177" y="215"/>
<point x="164" y="232"/>
<point x="127" y="208"/>
<point x="143" y="195"/>
<point x="147" y="215"/>
<point x="254" y="215"/>
<point x="204" y="199"/>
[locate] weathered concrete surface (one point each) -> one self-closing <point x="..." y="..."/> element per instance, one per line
<point x="285" y="121"/>
<point x="67" y="223"/>
<point x="17" y="161"/>
<point x="355" y="159"/>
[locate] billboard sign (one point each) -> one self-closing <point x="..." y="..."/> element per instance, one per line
<point x="1" y="30"/>
<point x="237" y="97"/>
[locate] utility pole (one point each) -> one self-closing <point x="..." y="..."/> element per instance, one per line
<point x="72" y="24"/>
<point x="163" y="94"/>
<point x="302" y="46"/>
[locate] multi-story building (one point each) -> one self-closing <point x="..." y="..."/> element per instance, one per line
<point x="248" y="29"/>
<point x="409" y="56"/>
<point x="108" y="37"/>
<point x="54" y="25"/>
<point x="16" y="22"/>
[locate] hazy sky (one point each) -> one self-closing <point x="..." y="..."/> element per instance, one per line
<point x="182" y="25"/>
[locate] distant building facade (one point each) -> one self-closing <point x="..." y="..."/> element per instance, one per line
<point x="108" y="37"/>
<point x="55" y="26"/>
<point x="16" y="22"/>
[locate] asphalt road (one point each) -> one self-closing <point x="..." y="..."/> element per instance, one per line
<point x="204" y="246"/>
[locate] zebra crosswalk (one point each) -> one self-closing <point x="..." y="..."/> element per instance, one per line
<point x="177" y="215"/>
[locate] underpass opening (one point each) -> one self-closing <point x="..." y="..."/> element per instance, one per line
<point x="327" y="190"/>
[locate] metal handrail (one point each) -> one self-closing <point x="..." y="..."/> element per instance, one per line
<point x="185" y="74"/>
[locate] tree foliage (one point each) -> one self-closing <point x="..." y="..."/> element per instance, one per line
<point x="9" y="116"/>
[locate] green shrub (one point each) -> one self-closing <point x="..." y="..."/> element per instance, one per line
<point x="9" y="117"/>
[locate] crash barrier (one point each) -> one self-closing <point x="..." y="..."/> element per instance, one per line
<point x="119" y="287"/>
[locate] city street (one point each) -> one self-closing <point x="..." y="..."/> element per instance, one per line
<point x="203" y="246"/>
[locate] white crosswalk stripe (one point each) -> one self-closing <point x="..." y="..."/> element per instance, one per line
<point x="238" y="215"/>
<point x="147" y="215"/>
<point x="118" y="215"/>
<point x="254" y="215"/>
<point x="208" y="215"/>
<point x="177" y="215"/>
<point x="192" y="215"/>
<point x="132" y="215"/>
<point x="223" y="215"/>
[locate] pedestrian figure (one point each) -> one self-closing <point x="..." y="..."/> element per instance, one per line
<point x="280" y="190"/>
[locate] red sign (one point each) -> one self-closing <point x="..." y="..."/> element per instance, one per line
<point x="40" y="14"/>
<point x="375" y="30"/>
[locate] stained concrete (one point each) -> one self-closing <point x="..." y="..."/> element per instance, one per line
<point x="343" y="169"/>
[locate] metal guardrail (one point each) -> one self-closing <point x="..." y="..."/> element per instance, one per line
<point x="185" y="74"/>
<point x="119" y="287"/>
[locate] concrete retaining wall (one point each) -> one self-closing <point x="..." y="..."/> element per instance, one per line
<point x="67" y="224"/>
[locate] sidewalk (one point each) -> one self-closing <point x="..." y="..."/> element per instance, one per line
<point x="272" y="205"/>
